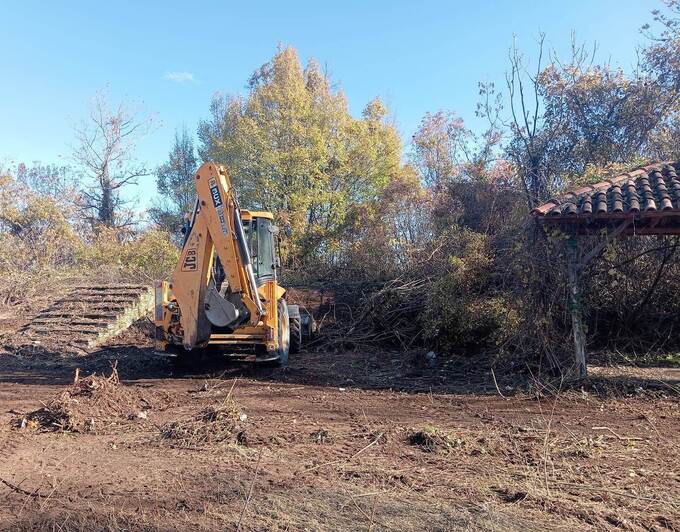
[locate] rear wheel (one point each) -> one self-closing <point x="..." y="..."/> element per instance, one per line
<point x="295" y="335"/>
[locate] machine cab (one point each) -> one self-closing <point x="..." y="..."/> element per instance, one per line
<point x="261" y="237"/>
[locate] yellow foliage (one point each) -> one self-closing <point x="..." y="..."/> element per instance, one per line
<point x="38" y="243"/>
<point x="293" y="148"/>
<point x="147" y="256"/>
<point x="34" y="231"/>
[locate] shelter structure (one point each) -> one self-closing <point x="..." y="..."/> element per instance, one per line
<point x="645" y="201"/>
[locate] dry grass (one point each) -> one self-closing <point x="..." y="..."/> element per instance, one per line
<point x="433" y="439"/>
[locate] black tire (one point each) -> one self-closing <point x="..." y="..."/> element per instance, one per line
<point x="280" y="356"/>
<point x="295" y="335"/>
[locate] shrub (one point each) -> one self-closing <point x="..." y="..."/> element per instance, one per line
<point x="464" y="306"/>
<point x="151" y="255"/>
<point x="40" y="246"/>
<point x="141" y="257"/>
<point x="34" y="231"/>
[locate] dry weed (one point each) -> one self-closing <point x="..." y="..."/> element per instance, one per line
<point x="433" y="439"/>
<point x="322" y="436"/>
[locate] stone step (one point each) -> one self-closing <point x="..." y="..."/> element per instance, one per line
<point x="87" y="316"/>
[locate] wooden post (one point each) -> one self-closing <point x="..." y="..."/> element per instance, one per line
<point x="574" y="267"/>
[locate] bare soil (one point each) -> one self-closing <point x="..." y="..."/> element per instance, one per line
<point x="336" y="441"/>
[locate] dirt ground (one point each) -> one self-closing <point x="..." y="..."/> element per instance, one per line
<point x="343" y="441"/>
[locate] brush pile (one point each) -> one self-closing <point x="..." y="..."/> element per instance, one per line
<point x="91" y="403"/>
<point x="215" y="424"/>
<point x="372" y="314"/>
<point x="433" y="439"/>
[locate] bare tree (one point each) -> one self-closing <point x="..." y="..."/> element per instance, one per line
<point x="105" y="154"/>
<point x="56" y="181"/>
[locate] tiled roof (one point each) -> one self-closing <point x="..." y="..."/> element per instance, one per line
<point x="647" y="190"/>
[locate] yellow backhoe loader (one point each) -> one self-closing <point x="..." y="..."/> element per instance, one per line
<point x="224" y="293"/>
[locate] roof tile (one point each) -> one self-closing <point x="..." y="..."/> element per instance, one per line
<point x="647" y="189"/>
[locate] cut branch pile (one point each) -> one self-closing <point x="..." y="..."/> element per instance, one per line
<point x="370" y="315"/>
<point x="89" y="403"/>
<point x="221" y="424"/>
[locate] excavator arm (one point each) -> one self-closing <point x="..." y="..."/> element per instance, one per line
<point x="216" y="232"/>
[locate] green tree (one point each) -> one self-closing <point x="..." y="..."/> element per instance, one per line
<point x="175" y="184"/>
<point x="293" y="148"/>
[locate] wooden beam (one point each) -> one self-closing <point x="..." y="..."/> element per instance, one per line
<point x="578" y="369"/>
<point x="654" y="223"/>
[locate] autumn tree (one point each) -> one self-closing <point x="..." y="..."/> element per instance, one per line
<point x="175" y="183"/>
<point x="566" y="119"/>
<point x="293" y="148"/>
<point x="440" y="147"/>
<point x="34" y="230"/>
<point x="569" y="122"/>
<point x="104" y="154"/>
<point x="56" y="181"/>
<point x="661" y="60"/>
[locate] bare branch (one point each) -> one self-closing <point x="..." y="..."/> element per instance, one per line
<point x="105" y="155"/>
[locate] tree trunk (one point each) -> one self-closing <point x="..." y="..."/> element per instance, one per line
<point x="106" y="207"/>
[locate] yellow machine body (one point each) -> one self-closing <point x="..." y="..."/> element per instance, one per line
<point x="215" y="243"/>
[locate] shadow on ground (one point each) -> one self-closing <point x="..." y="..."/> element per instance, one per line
<point x="370" y="370"/>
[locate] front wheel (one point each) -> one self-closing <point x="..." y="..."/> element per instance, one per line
<point x="280" y="355"/>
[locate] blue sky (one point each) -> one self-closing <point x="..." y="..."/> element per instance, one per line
<point x="170" y="57"/>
